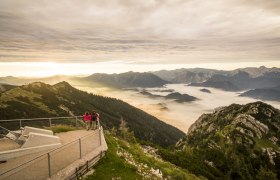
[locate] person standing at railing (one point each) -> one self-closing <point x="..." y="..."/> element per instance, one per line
<point x="95" y="119"/>
<point x="87" y="119"/>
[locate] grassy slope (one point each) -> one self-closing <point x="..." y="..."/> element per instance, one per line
<point x="128" y="161"/>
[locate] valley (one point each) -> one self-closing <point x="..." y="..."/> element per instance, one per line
<point x="179" y="115"/>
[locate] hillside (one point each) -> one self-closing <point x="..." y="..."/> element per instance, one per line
<point x="205" y="90"/>
<point x="126" y="80"/>
<point x="177" y="97"/>
<point x="43" y="100"/>
<point x="21" y="81"/>
<point x="131" y="160"/>
<point x="180" y="98"/>
<point x="238" y="142"/>
<point x="269" y="94"/>
<point x="5" y="87"/>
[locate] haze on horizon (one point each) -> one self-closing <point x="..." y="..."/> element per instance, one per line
<point x="122" y="35"/>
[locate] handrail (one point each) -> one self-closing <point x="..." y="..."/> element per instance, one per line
<point x="32" y="119"/>
<point x="49" y="119"/>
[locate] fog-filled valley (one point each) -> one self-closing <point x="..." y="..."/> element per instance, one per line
<point x="180" y="115"/>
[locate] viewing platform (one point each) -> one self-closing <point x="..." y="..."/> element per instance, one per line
<point x="73" y="155"/>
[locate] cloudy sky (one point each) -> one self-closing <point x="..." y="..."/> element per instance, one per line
<point x="138" y="33"/>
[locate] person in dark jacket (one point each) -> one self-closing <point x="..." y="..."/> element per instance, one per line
<point x="95" y="119"/>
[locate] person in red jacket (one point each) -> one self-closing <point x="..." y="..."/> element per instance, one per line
<point x="87" y="119"/>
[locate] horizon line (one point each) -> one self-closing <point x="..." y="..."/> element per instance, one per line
<point x="88" y="74"/>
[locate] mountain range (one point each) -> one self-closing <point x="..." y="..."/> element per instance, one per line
<point x="243" y="79"/>
<point x="187" y="75"/>
<point x="198" y="75"/>
<point x="134" y="79"/>
<point x="268" y="94"/>
<point x="125" y="80"/>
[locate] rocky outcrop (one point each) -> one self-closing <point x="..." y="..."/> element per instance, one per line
<point x="242" y="133"/>
<point x="249" y="123"/>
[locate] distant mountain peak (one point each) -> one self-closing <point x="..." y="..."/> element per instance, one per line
<point x="36" y="84"/>
<point x="126" y="80"/>
<point x="62" y="84"/>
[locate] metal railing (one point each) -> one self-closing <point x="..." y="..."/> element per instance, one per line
<point x="83" y="169"/>
<point x="48" y="164"/>
<point x="15" y="124"/>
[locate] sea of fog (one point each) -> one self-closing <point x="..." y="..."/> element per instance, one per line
<point x="180" y="115"/>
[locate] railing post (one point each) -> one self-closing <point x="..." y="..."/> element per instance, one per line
<point x="20" y="125"/>
<point x="49" y="165"/>
<point x="76" y="121"/>
<point x="50" y="121"/>
<point x="80" y="147"/>
<point x="100" y="140"/>
<point x="77" y="176"/>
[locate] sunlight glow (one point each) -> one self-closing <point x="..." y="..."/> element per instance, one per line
<point x="45" y="69"/>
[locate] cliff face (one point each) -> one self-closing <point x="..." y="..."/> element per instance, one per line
<point x="241" y="140"/>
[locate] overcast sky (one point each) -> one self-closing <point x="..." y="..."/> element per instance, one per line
<point x="140" y="32"/>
